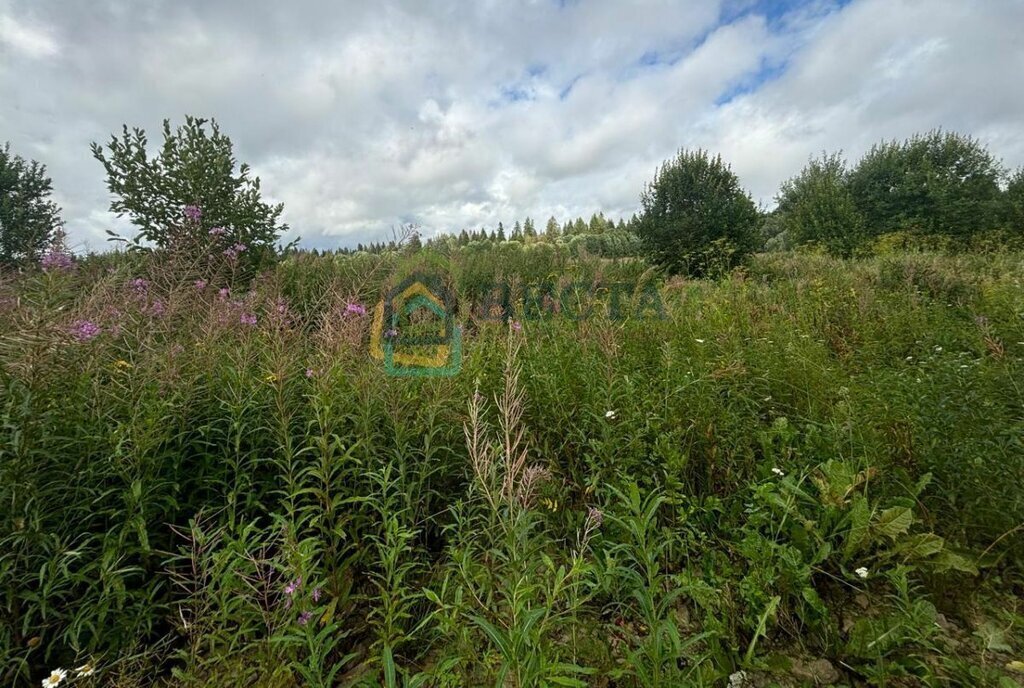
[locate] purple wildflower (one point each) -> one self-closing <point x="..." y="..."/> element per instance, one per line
<point x="293" y="586"/>
<point x="157" y="308"/>
<point x="200" y="284"/>
<point x="84" y="330"/>
<point x="223" y="293"/>
<point x="316" y="594"/>
<point x="247" y="319"/>
<point x="304" y="618"/>
<point x="356" y="309"/>
<point x="516" y="325"/>
<point x="56" y="260"/>
<point x="217" y="231"/>
<point x="230" y="253"/>
<point x="193" y="213"/>
<point x="139" y="285"/>
<point x="310" y="372"/>
<point x="239" y="248"/>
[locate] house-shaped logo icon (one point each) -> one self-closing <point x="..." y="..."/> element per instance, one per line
<point x="414" y="332"/>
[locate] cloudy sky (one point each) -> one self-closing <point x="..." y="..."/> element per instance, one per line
<point x="363" y="115"/>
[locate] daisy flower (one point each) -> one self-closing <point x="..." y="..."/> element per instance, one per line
<point x="55" y="678"/>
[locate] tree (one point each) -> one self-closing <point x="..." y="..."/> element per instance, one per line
<point x="28" y="218"/>
<point x="529" y="232"/>
<point x="552" y="229"/>
<point x="189" y="187"/>
<point x="939" y="183"/>
<point x="500" y="234"/>
<point x="817" y="206"/>
<point x="695" y="218"/>
<point x="1013" y="203"/>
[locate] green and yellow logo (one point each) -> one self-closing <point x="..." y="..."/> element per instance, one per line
<point x="414" y="331"/>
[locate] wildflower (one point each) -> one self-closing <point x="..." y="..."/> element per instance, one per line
<point x="271" y="378"/>
<point x="55" y="678"/>
<point x="157" y="308"/>
<point x="355" y="309"/>
<point x="595" y="516"/>
<point x="862" y="572"/>
<point x="86" y="669"/>
<point x="239" y="248"/>
<point x="223" y="293"/>
<point x="139" y="285"/>
<point x="779" y="472"/>
<point x="610" y="415"/>
<point x="310" y="372"/>
<point x="316" y="594"/>
<point x="122" y="364"/>
<point x="217" y="231"/>
<point x="516" y="325"/>
<point x="193" y="213"/>
<point x="293" y="586"/>
<point x="84" y="330"/>
<point x="200" y="284"/>
<point x="230" y="253"/>
<point x="391" y="334"/>
<point x="304" y="618"/>
<point x="56" y="260"/>
<point x="247" y="319"/>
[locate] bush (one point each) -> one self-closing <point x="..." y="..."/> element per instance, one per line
<point x="695" y="217"/>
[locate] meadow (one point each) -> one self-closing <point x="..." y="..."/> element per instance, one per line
<point x="809" y="472"/>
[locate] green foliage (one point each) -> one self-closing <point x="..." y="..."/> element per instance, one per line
<point x="28" y="218"/>
<point x="807" y="458"/>
<point x="696" y="219"/>
<point x="817" y="206"/>
<point x="195" y="167"/>
<point x="939" y="183"/>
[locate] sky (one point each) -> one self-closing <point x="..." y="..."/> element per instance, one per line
<point x="361" y="117"/>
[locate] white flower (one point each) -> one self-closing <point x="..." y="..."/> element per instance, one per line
<point x="779" y="472"/>
<point x="610" y="415"/>
<point x="55" y="678"/>
<point x="862" y="572"/>
<point x="86" y="669"/>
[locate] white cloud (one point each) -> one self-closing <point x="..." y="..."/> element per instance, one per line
<point x="359" y="116"/>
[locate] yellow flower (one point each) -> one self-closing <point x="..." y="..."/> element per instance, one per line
<point x="271" y="378"/>
<point x="123" y="364"/>
<point x="551" y="504"/>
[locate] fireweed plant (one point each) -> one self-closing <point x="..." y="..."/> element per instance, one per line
<point x="808" y="472"/>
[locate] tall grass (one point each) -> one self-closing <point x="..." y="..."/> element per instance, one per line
<point x="223" y="488"/>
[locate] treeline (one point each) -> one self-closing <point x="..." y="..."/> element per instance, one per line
<point x="600" y="236"/>
<point x="939" y="190"/>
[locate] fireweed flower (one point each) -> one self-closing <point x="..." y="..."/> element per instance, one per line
<point x="355" y="309"/>
<point x="157" y="308"/>
<point x="223" y="293"/>
<point x="84" y="330"/>
<point x="55" y="678"/>
<point x="139" y="285"/>
<point x="200" y="284"/>
<point x="193" y="213"/>
<point x="56" y="260"/>
<point x="247" y="319"/>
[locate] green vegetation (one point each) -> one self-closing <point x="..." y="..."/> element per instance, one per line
<point x="809" y="473"/>
<point x="28" y="218"/>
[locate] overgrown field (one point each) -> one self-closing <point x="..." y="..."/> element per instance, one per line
<point x="810" y="471"/>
